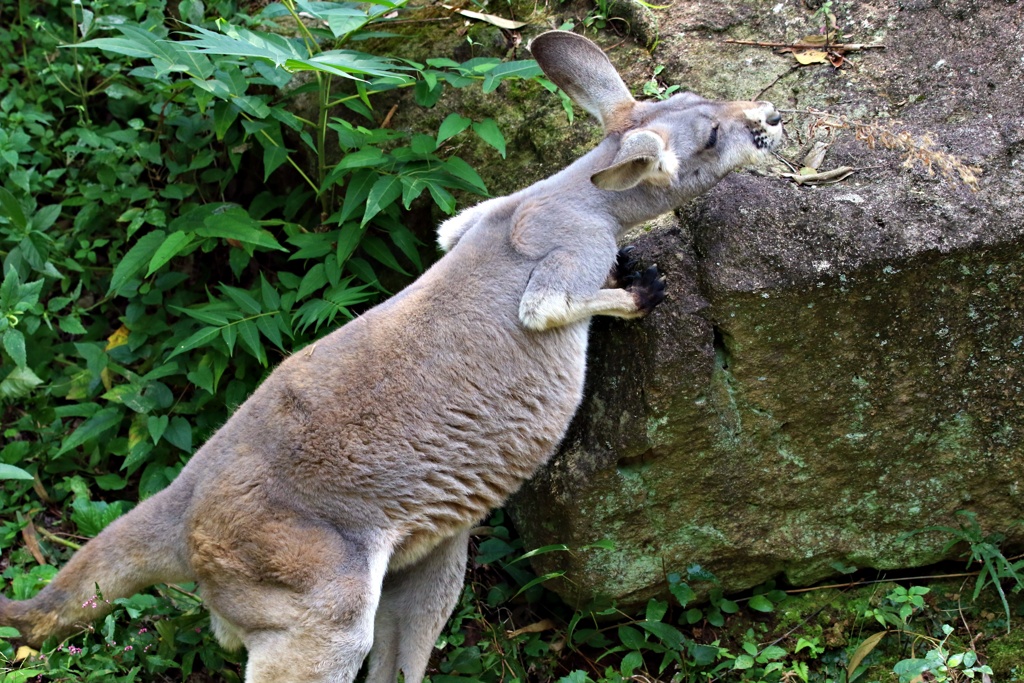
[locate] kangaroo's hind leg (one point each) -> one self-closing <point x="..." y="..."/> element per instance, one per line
<point x="300" y="595"/>
<point x="415" y="604"/>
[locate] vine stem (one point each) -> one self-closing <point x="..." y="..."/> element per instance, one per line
<point x="50" y="536"/>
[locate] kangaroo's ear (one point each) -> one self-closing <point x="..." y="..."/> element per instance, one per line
<point x="582" y="70"/>
<point x="643" y="156"/>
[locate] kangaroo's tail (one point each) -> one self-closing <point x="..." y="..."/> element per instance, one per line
<point x="143" y="547"/>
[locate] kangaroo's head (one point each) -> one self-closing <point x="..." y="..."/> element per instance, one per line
<point x="684" y="144"/>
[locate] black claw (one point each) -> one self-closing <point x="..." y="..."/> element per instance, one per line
<point x="646" y="285"/>
<point x="648" y="288"/>
<point x="625" y="267"/>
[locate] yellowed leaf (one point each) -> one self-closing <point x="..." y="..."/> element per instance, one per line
<point x="506" y="24"/>
<point x="119" y="338"/>
<point x="31" y="538"/>
<point x="811" y="57"/>
<point x="138" y="431"/>
<point x="24" y="652"/>
<point x="107" y="378"/>
<point x="536" y="627"/>
<point x="862" y="651"/>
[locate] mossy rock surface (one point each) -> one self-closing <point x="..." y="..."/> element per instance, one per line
<point x="836" y="367"/>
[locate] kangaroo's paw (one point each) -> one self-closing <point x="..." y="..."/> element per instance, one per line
<point x="625" y="267"/>
<point x="647" y="288"/>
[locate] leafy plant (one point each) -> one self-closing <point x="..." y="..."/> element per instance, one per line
<point x="654" y="88"/>
<point x="943" y="664"/>
<point x="140" y="302"/>
<point x="983" y="550"/>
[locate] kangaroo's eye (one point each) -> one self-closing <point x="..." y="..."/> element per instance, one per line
<point x="713" y="138"/>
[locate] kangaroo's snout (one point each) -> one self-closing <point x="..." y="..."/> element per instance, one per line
<point x="766" y="125"/>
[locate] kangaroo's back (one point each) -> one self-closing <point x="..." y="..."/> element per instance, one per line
<point x="331" y="512"/>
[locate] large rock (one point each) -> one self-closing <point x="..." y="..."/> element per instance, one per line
<point x="835" y="366"/>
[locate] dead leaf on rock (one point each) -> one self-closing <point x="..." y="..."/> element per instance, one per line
<point x="816" y="155"/>
<point x="823" y="178"/>
<point x="806" y="57"/>
<point x="507" y="24"/>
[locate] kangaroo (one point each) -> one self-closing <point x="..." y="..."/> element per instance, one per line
<point x="329" y="517"/>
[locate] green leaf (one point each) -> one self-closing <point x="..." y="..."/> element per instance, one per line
<point x="489" y="133"/>
<point x="20" y="382"/>
<point x="271" y="299"/>
<point x="344" y="20"/>
<point x="9" y="632"/>
<point x="111" y="482"/>
<point x="385" y="190"/>
<point x="71" y="324"/>
<point x="179" y="433"/>
<point x="376" y="248"/>
<point x="275" y="153"/>
<point x="202" y="337"/>
<point x="22" y="675"/>
<point x="423" y="144"/>
<point x="743" y="662"/>
<point x="761" y="604"/>
<point x="132" y="263"/>
<point x="361" y="158"/>
<point x="729" y="607"/>
<point x="250" y="336"/>
<point x="175" y="243"/>
<point x="631" y="662"/>
<point x="460" y="169"/>
<point x="656" y="610"/>
<point x="669" y="635"/>
<point x="275" y="49"/>
<point x="91" y="517"/>
<point x="270" y="328"/>
<point x="314" y="279"/>
<point x="233" y="222"/>
<point x="157" y="425"/>
<point x="681" y="591"/>
<point x="93" y="428"/>
<point x="45" y="217"/>
<point x="704" y="655"/>
<point x="631" y="638"/>
<point x="14" y="344"/>
<point x="202" y="376"/>
<point x="358" y="190"/>
<point x="12" y="472"/>
<point x="442" y="197"/>
<point x="427" y="93"/>
<point x="350" y="64"/>
<point x="526" y="68"/>
<point x="243" y="299"/>
<point x="350" y="237"/>
<point x="452" y="126"/>
<point x="407" y="243"/>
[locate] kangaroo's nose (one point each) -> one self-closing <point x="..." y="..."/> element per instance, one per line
<point x="773" y="119"/>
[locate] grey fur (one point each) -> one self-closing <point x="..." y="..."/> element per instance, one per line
<point x="330" y="513"/>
